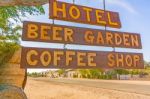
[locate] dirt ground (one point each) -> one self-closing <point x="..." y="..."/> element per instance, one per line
<point x="51" y="90"/>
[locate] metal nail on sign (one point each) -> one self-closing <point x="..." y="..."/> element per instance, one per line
<point x="77" y="59"/>
<point x="82" y="14"/>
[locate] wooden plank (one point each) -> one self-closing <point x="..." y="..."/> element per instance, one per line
<point x="42" y="32"/>
<point x="82" y="14"/>
<point x="78" y="59"/>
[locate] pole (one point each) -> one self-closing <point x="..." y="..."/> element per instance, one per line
<point x="104" y="3"/>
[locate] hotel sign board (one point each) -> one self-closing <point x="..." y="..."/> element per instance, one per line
<point x="77" y="59"/>
<point x="82" y="14"/>
<point x="42" y="32"/>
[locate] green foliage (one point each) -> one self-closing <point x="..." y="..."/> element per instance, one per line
<point x="11" y="34"/>
<point x="9" y="43"/>
<point x="147" y="64"/>
<point x="84" y="72"/>
<point x="9" y="13"/>
<point x="34" y="74"/>
<point x="6" y="51"/>
<point x="147" y="67"/>
<point x="9" y="31"/>
<point x="61" y="71"/>
<point x="134" y="72"/>
<point x="90" y="73"/>
<point x="94" y="73"/>
<point x="103" y="76"/>
<point x="112" y="74"/>
<point x="121" y="71"/>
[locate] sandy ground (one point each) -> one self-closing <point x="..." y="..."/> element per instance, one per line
<point x="51" y="90"/>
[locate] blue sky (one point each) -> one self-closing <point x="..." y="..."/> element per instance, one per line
<point x="134" y="15"/>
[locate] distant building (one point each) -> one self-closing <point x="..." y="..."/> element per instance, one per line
<point x="69" y="73"/>
<point x="49" y="73"/>
<point x="73" y="74"/>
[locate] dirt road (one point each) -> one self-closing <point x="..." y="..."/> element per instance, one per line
<point x="46" y="88"/>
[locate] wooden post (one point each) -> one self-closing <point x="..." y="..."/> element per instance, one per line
<point x="11" y="92"/>
<point x="12" y="74"/>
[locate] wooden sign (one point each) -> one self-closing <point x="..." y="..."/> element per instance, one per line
<point x="82" y="14"/>
<point x="77" y="59"/>
<point x="42" y="32"/>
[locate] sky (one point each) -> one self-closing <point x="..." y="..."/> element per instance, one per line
<point x="134" y="15"/>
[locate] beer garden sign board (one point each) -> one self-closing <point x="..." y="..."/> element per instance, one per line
<point x="42" y="32"/>
<point x="77" y="59"/>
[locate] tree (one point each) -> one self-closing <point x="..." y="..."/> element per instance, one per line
<point x="6" y="51"/>
<point x="22" y="2"/>
<point x="61" y="71"/>
<point x="90" y="73"/>
<point x="84" y="72"/>
<point x="9" y="31"/>
<point x="121" y="71"/>
<point x="95" y="73"/>
<point x="15" y="13"/>
<point x="146" y="64"/>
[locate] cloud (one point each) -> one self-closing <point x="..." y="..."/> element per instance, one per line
<point x="123" y="4"/>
